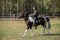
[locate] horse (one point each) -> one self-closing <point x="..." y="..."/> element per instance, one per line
<point x="30" y="23"/>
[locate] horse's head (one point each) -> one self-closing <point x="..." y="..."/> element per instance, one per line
<point x="24" y="15"/>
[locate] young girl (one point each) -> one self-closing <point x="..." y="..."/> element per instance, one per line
<point x="35" y="14"/>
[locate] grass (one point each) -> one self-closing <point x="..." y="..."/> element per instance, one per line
<point x="14" y="30"/>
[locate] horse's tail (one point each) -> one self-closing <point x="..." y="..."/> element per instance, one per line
<point x="49" y="24"/>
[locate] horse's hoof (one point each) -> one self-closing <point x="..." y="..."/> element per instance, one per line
<point x="23" y="36"/>
<point x="32" y="35"/>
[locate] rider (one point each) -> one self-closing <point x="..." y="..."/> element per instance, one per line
<point x="35" y="14"/>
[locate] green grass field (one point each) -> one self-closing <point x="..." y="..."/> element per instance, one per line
<point x="14" y="30"/>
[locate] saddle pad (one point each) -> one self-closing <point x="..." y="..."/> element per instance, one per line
<point x="31" y="19"/>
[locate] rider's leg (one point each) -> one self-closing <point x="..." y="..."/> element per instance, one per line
<point x="34" y="20"/>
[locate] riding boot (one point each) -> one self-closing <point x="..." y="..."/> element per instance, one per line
<point x="35" y="25"/>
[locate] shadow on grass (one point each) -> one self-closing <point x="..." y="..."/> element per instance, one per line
<point x="42" y="35"/>
<point x="50" y="35"/>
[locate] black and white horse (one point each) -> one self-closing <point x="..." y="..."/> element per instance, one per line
<point x="30" y="23"/>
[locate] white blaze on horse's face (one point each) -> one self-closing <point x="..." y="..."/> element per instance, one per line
<point x="31" y="19"/>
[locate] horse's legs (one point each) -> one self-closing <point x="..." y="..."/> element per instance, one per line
<point x="25" y="32"/>
<point x="44" y="29"/>
<point x="35" y="27"/>
<point x="47" y="29"/>
<point x="31" y="32"/>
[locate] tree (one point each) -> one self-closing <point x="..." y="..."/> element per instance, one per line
<point x="28" y="5"/>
